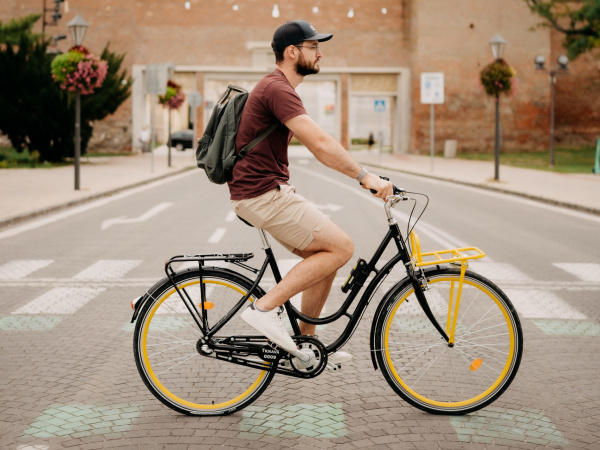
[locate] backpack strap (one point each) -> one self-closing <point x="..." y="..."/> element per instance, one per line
<point x="256" y="141"/>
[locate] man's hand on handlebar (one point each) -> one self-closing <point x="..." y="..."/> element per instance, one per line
<point x="379" y="187"/>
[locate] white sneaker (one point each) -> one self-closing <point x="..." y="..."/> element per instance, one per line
<point x="270" y="324"/>
<point x="339" y="358"/>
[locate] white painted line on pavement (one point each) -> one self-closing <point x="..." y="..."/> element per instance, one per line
<point x="20" y="268"/>
<point x="147" y="215"/>
<point x="539" y="304"/>
<point x="108" y="269"/>
<point x="505" y="196"/>
<point x="93" y="204"/>
<point x="444" y="239"/>
<point x="583" y="271"/>
<point x="217" y="235"/>
<point x="230" y="216"/>
<point x="60" y="300"/>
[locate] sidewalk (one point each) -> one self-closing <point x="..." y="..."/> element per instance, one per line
<point x="577" y="191"/>
<point x="30" y="192"/>
<point x="26" y="193"/>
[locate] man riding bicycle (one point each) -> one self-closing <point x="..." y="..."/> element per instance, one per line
<point x="261" y="195"/>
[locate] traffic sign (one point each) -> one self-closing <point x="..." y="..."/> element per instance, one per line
<point x="432" y="88"/>
<point x="194" y="99"/>
<point x="379" y="105"/>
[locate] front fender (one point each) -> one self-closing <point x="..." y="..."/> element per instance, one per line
<point x="383" y="304"/>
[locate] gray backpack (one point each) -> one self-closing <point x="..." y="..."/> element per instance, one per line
<point x="216" y="149"/>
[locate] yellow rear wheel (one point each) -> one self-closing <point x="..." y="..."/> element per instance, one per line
<point x="434" y="376"/>
<point x="166" y="347"/>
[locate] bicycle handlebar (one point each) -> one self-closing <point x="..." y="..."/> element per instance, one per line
<point x="397" y="190"/>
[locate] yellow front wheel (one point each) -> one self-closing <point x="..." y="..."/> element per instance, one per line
<point x="169" y="357"/>
<point x="434" y="376"/>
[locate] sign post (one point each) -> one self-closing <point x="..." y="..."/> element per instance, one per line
<point x="194" y="100"/>
<point x="380" y="108"/>
<point x="432" y="93"/>
<point x="157" y="76"/>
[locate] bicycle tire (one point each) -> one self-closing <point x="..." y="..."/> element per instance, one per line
<point x="420" y="365"/>
<point x="166" y="335"/>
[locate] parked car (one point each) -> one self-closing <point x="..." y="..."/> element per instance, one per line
<point x="182" y="139"/>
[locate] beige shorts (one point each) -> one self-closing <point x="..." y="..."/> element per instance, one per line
<point x="287" y="216"/>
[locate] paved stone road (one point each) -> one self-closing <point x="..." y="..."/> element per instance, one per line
<point x="68" y="379"/>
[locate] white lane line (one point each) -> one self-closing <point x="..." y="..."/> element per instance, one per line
<point x="108" y="269"/>
<point x="538" y="304"/>
<point x="20" y="268"/>
<point x="147" y="215"/>
<point x="93" y="204"/>
<point x="444" y="239"/>
<point x="583" y="271"/>
<point x="505" y="196"/>
<point x="230" y="216"/>
<point x="60" y="300"/>
<point x="217" y="235"/>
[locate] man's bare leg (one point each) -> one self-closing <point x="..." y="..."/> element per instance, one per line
<point x="330" y="249"/>
<point x="313" y="300"/>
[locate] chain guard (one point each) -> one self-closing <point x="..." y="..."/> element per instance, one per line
<point x="260" y="353"/>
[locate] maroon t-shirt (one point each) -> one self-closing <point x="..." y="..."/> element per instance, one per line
<point x="266" y="165"/>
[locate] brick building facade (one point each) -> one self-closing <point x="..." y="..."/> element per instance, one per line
<point x="378" y="52"/>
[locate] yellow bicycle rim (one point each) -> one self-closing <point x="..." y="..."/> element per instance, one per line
<point x="157" y="382"/>
<point x="470" y="401"/>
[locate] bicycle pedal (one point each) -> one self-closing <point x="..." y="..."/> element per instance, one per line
<point x="333" y="367"/>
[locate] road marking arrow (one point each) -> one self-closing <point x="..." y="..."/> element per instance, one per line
<point x="148" y="214"/>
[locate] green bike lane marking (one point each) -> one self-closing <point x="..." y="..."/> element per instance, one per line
<point x="320" y="420"/>
<point x="83" y="420"/>
<point x="33" y="322"/>
<point x="506" y="427"/>
<point x="552" y="327"/>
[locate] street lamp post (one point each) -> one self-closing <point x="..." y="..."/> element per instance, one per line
<point x="77" y="28"/>
<point x="497" y="44"/>
<point x="563" y="66"/>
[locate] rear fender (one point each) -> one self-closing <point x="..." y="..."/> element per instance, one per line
<point x="139" y="303"/>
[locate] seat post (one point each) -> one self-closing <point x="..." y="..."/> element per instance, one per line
<point x="264" y="239"/>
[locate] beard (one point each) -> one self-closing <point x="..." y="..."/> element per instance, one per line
<point x="304" y="68"/>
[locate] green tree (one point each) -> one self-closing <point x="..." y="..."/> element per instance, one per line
<point x="578" y="20"/>
<point x="34" y="112"/>
<point x="12" y="32"/>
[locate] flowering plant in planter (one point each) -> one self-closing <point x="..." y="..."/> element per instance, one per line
<point x="78" y="68"/>
<point x="174" y="97"/>
<point x="497" y="78"/>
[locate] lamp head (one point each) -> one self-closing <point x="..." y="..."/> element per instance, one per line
<point x="563" y="62"/>
<point x="540" y="62"/>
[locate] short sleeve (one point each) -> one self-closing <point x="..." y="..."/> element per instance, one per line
<point x="283" y="101"/>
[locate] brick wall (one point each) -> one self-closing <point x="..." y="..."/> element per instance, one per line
<point x="449" y="36"/>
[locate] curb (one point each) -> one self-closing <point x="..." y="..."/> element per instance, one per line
<point x="536" y="198"/>
<point x="51" y="209"/>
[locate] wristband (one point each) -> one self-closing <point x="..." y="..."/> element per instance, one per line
<point x="363" y="173"/>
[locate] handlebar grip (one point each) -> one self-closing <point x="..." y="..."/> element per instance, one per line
<point x="373" y="191"/>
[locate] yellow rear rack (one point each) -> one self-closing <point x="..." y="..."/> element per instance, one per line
<point x="441" y="256"/>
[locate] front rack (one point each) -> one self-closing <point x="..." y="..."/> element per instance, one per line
<point x="441" y="256"/>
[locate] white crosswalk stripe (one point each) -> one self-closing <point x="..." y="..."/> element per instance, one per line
<point x="499" y="272"/>
<point x="108" y="269"/>
<point x="61" y="300"/>
<point x="21" y="268"/>
<point x="583" y="271"/>
<point x="539" y="304"/>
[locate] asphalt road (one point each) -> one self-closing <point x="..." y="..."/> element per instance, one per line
<point x="68" y="379"/>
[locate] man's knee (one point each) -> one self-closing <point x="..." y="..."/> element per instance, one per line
<point x="346" y="249"/>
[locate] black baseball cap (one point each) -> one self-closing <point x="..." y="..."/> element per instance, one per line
<point x="291" y="33"/>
